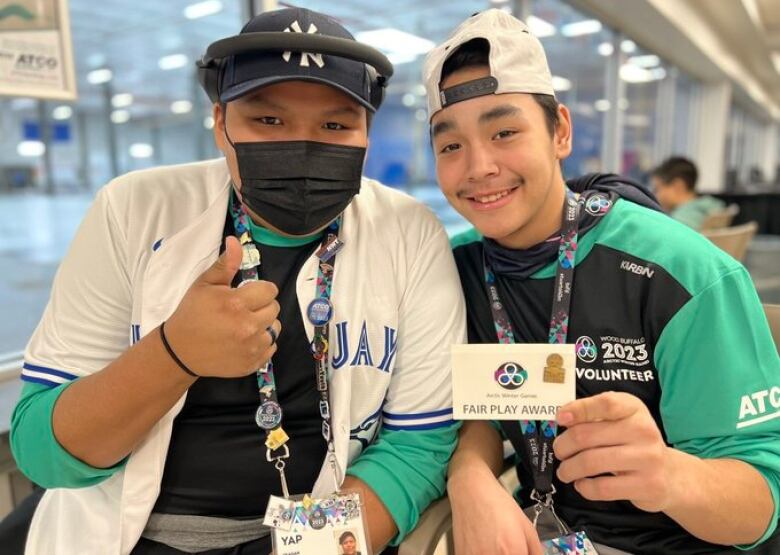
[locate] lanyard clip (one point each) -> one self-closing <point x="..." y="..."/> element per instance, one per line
<point x="279" y="464"/>
<point x="546" y="503"/>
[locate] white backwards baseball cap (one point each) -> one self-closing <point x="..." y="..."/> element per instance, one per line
<point x="517" y="61"/>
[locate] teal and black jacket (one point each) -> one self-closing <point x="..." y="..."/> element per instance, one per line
<point x="659" y="312"/>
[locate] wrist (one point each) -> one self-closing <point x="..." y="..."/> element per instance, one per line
<point x="168" y="363"/>
<point x="468" y="476"/>
<point x="680" y="482"/>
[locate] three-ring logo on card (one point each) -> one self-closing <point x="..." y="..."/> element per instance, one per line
<point x="586" y="349"/>
<point x="510" y="375"/>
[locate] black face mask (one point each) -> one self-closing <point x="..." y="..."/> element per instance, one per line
<point x="298" y="186"/>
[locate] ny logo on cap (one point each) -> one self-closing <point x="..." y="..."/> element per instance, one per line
<point x="295" y="27"/>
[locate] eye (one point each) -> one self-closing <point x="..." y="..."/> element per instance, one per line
<point x="334" y="126"/>
<point x="452" y="147"/>
<point x="269" y="120"/>
<point x="504" y="133"/>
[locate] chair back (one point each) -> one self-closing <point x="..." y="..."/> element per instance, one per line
<point x="720" y="219"/>
<point x="734" y="240"/>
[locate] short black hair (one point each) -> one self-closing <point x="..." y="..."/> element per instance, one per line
<point x="346" y="535"/>
<point x="476" y="52"/>
<point x="678" y="167"/>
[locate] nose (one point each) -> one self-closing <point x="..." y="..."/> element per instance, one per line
<point x="481" y="163"/>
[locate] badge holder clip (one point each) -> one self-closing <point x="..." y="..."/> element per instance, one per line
<point x="279" y="464"/>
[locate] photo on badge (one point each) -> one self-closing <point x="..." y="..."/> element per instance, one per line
<point x="331" y="525"/>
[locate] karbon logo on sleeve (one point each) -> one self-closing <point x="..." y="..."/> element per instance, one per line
<point x="510" y="375"/>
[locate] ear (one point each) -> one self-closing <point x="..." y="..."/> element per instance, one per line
<point x="219" y="126"/>
<point x="563" y="133"/>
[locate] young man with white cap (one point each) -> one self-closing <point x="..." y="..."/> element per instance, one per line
<point x="673" y="443"/>
<point x="151" y="410"/>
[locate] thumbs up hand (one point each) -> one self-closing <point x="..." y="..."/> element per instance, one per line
<point x="222" y="332"/>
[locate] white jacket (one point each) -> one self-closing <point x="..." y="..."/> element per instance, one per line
<point x="149" y="235"/>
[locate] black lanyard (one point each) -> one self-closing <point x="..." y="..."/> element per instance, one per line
<point x="535" y="438"/>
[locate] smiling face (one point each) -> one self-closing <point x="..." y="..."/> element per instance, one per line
<point x="498" y="164"/>
<point x="349" y="546"/>
<point x="288" y="111"/>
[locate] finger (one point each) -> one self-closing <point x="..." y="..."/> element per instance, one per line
<point x="257" y="294"/>
<point x="610" y="488"/>
<point x="590" y="435"/>
<point x="224" y="269"/>
<point x="603" y="460"/>
<point x="533" y="542"/>
<point x="612" y="405"/>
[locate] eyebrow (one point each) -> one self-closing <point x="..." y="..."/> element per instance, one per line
<point x="346" y="110"/>
<point x="499" y="112"/>
<point x="442" y="127"/>
<point x="259" y="100"/>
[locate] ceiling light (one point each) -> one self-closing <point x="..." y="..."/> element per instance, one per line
<point x="208" y="122"/>
<point x="635" y="74"/>
<point x="98" y="76"/>
<point x="141" y="150"/>
<point x="120" y="116"/>
<point x="628" y="46"/>
<point x="122" y="100"/>
<point x="623" y="104"/>
<point x="606" y="49"/>
<point x="602" y="105"/>
<point x="30" y="148"/>
<point x="560" y="83"/>
<point x="181" y="107"/>
<point x="587" y="27"/>
<point x="174" y="61"/>
<point x="202" y="9"/>
<point x="421" y="115"/>
<point x="539" y="27"/>
<point x="408" y="100"/>
<point x="399" y="58"/>
<point x="646" y="61"/>
<point x="62" y="113"/>
<point x="394" y="41"/>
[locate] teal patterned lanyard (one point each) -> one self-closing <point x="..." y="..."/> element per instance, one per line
<point x="269" y="413"/>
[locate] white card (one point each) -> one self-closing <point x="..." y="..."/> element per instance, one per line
<point x="330" y="526"/>
<point x="512" y="381"/>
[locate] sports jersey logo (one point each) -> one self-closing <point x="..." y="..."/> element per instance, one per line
<point x="586" y="349"/>
<point x="510" y="375"/>
<point x="295" y="27"/>
<point x="598" y="205"/>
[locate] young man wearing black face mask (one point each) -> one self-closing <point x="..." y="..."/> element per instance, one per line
<point x="141" y="410"/>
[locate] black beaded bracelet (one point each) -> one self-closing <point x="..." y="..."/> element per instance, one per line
<point x="176" y="359"/>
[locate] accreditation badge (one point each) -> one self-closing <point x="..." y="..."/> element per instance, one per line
<point x="517" y="381"/>
<point x="304" y="525"/>
<point x="576" y="543"/>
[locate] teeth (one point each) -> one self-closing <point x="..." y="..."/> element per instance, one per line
<point x="491" y="198"/>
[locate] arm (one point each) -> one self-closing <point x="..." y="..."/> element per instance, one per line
<point x="721" y="501"/>
<point x="485" y="517"/>
<point x="720" y="479"/>
<point x="406" y="466"/>
<point x="122" y="391"/>
<point x="381" y="525"/>
<point x="403" y="472"/>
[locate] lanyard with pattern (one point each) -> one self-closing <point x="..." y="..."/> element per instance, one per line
<point x="537" y="436"/>
<point x="320" y="312"/>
